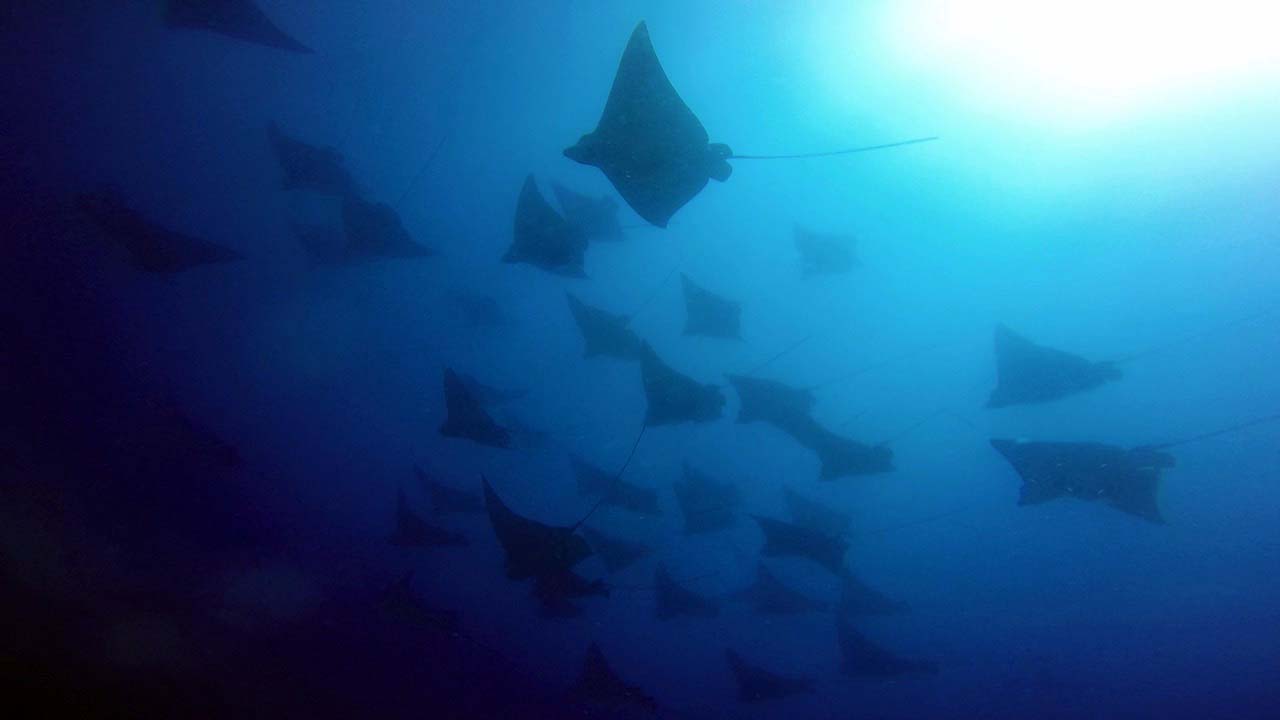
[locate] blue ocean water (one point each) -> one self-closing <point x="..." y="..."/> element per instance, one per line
<point x="203" y="465"/>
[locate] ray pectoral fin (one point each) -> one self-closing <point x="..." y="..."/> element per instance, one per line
<point x="718" y="167"/>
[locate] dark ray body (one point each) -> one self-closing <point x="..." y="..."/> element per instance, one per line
<point x="770" y="596"/>
<point x="1028" y="373"/>
<point x="488" y="395"/>
<point x="314" y="168"/>
<point x="815" y="515"/>
<point x="600" y="685"/>
<point x="865" y="658"/>
<point x="673" y="600"/>
<point x="466" y="418"/>
<point x="756" y="684"/>
<point x="673" y="397"/>
<point x="543" y="238"/>
<point x="1126" y="479"/>
<point x="604" y="333"/>
<point x="480" y="311"/>
<point x="323" y="244"/>
<point x="706" y="503"/>
<point x="374" y="230"/>
<point x="402" y="604"/>
<point x="824" y="254"/>
<point x="839" y="456"/>
<point x="770" y="401"/>
<point x="150" y="247"/>
<point x="617" y="492"/>
<point x="595" y="218"/>
<point x="648" y="143"/>
<point x="239" y="19"/>
<point x="858" y="598"/>
<point x="412" y="531"/>
<point x="785" y="539"/>
<point x="544" y="553"/>
<point x="708" y="314"/>
<point x="616" y="553"/>
<point x="446" y="499"/>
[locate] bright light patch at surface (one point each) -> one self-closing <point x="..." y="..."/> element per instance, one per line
<point x="1087" y="61"/>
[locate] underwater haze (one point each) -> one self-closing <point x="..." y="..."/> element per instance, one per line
<point x="640" y="359"/>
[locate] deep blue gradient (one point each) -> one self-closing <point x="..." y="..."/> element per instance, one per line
<point x="253" y="591"/>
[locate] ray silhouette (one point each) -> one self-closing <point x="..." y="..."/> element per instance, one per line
<point x="446" y="499"/>
<point x="785" y="539"/>
<point x="706" y="503"/>
<point x="412" y="531"/>
<point x="616" y="553"/>
<point x="824" y="254"/>
<point x="238" y="19"/>
<point x="314" y="168"/>
<point x="1126" y="479"/>
<point x="150" y="247"/>
<point x="604" y="333"/>
<point x="600" y="685"/>
<point x="592" y="480"/>
<point x="595" y="218"/>
<point x="466" y="418"/>
<point x="756" y="684"/>
<point x="1028" y="373"/>
<point x="708" y="314"/>
<point x="543" y="238"/>
<point x="673" y="397"/>
<point x="674" y="600"/>
<point x="770" y="596"/>
<point x="651" y="146"/>
<point x="865" y="658"/>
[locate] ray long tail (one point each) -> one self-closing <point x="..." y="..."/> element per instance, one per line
<point x="847" y="151"/>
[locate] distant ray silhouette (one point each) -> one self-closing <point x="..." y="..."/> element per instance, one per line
<point x="1128" y="480"/>
<point x="324" y="245"/>
<point x="673" y="397"/>
<point x="650" y="144"/>
<point x="616" y="553"/>
<point x="865" y="658"/>
<point x="770" y="596"/>
<point x="488" y="395"/>
<point x="445" y="499"/>
<point x="595" y="218"/>
<point x="773" y="402"/>
<point x="165" y="440"/>
<point x="674" y="600"/>
<point x="785" y="539"/>
<point x="374" y="230"/>
<point x="815" y="515"/>
<point x="400" y="603"/>
<point x="617" y="492"/>
<point x="544" y="553"/>
<point x="707" y="504"/>
<point x="480" y="311"/>
<point x="604" y="333"/>
<point x="1029" y="373"/>
<point x="824" y="254"/>
<point x="756" y="684"/>
<point x="314" y="168"/>
<point x="412" y="531"/>
<point x="842" y="457"/>
<point x="543" y="238"/>
<point x="858" y="598"/>
<point x="466" y="418"/>
<point x="709" y="314"/>
<point x="150" y="247"/>
<point x="239" y="19"/>
<point x="599" y="684"/>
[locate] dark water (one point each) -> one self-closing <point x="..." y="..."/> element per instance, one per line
<point x="201" y="467"/>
